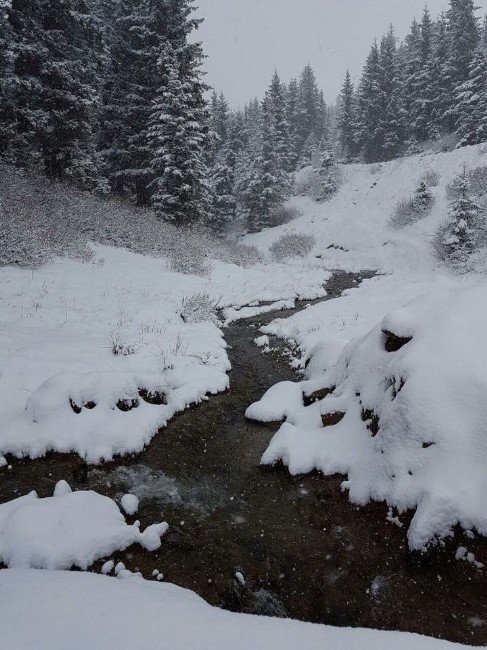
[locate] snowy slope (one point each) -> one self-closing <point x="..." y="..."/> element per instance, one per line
<point x="426" y="399"/>
<point x="356" y="219"/>
<point x="46" y="610"/>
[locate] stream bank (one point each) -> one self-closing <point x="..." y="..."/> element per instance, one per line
<point x="302" y="549"/>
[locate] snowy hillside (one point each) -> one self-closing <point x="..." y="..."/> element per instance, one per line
<point x="405" y="423"/>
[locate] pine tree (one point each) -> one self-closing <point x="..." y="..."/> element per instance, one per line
<point x="460" y="237"/>
<point x="280" y="129"/>
<point x="181" y="188"/>
<point x="347" y="119"/>
<point x="390" y="129"/>
<point x="463" y="35"/>
<point x="472" y="98"/>
<point x="129" y="94"/>
<point x="423" y="199"/>
<point x="7" y="81"/>
<point x="421" y="118"/>
<point x="292" y="116"/>
<point x="267" y="184"/>
<point x="224" y="201"/>
<point x="370" y="108"/>
<point x="326" y="177"/>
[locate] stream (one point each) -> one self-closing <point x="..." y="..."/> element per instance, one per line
<point x="300" y="549"/>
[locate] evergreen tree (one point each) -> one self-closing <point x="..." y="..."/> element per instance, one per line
<point x="292" y="116"/>
<point x="7" y="81"/>
<point x="267" y="184"/>
<point x="326" y="177"/>
<point x="460" y="237"/>
<point x="276" y="102"/>
<point x="370" y="108"/>
<point x="389" y="133"/>
<point x="347" y="119"/>
<point x="463" y="35"/>
<point x="421" y="118"/>
<point x="181" y="189"/>
<point x="472" y="98"/>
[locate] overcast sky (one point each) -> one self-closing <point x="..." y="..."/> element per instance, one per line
<point x="246" y="40"/>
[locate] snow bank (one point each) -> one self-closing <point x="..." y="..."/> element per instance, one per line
<point x="409" y="411"/>
<point x="280" y="401"/>
<point x="69" y="529"/>
<point x="54" y="610"/>
<point x="95" y="358"/>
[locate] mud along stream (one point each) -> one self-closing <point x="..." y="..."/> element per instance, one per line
<point x="304" y="551"/>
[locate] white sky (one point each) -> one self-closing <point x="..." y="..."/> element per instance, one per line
<point x="247" y="39"/>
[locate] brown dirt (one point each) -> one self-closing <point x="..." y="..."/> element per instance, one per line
<point x="304" y="550"/>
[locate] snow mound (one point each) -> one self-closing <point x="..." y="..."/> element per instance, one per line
<point x="49" y="610"/>
<point x="407" y="416"/>
<point x="69" y="529"/>
<point x="101" y="414"/>
<point x="280" y="401"/>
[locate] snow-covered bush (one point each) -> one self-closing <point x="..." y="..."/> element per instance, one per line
<point x="431" y="178"/>
<point x="283" y="214"/>
<point x="409" y="211"/>
<point x="42" y="220"/>
<point x="412" y="429"/>
<point x="198" y="308"/>
<point x="240" y="254"/>
<point x="292" y="245"/>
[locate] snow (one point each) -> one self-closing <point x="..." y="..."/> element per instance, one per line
<point x="69" y="529"/>
<point x="430" y="452"/>
<point x="280" y="401"/>
<point x="82" y="610"/>
<point x="431" y="391"/>
<point x="130" y="504"/>
<point x="80" y="343"/>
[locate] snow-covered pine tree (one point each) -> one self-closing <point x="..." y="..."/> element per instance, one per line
<point x="277" y="108"/>
<point x="309" y="112"/>
<point x="223" y="194"/>
<point x="181" y="191"/>
<point x="326" y="181"/>
<point x="390" y="130"/>
<point x="292" y="116"/>
<point x="57" y="83"/>
<point x="267" y="184"/>
<point x="441" y="82"/>
<point x="370" y="108"/>
<point x="129" y="92"/>
<point x="460" y="237"/>
<point x="423" y="199"/>
<point x="472" y="98"/>
<point x="463" y="37"/>
<point x="421" y="119"/>
<point x="310" y="152"/>
<point x="347" y="119"/>
<point x="7" y="81"/>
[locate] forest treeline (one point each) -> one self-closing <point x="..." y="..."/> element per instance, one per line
<point x="110" y="94"/>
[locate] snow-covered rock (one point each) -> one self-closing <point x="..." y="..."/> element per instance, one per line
<point x="413" y="392"/>
<point x="70" y="529"/>
<point x="130" y="504"/>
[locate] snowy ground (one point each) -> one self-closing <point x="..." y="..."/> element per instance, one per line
<point x="80" y="611"/>
<point x="426" y="399"/>
<point x="63" y="387"/>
